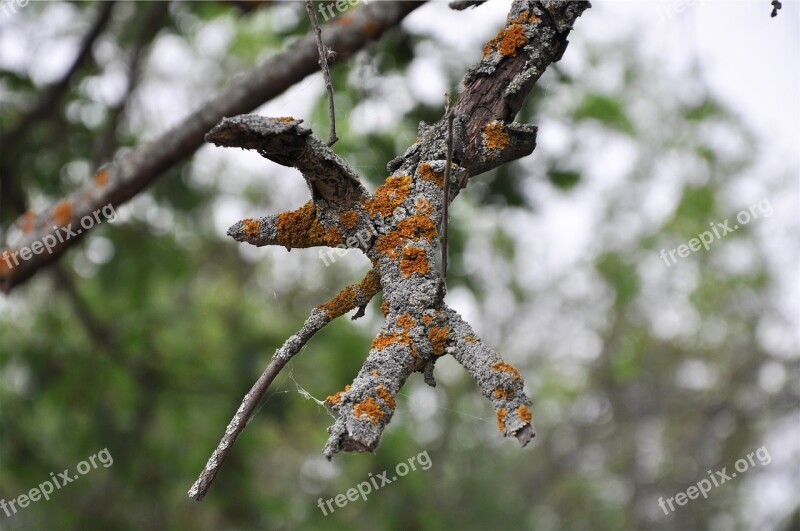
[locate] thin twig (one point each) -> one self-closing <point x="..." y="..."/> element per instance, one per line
<point x="51" y="95"/>
<point x="150" y="25"/>
<point x="319" y="318"/>
<point x="446" y="186"/>
<point x="323" y="63"/>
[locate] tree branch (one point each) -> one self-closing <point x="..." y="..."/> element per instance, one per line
<point x="350" y="298"/>
<point x="285" y="141"/>
<point x="53" y="93"/>
<point x="419" y="328"/>
<point x="121" y="181"/>
<point x="150" y="24"/>
<point x="13" y="198"/>
<point x="297" y="229"/>
<point x="326" y="74"/>
<point x="400" y="220"/>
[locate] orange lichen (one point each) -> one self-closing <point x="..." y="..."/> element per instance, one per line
<point x="508" y="41"/>
<point x="370" y="285"/>
<point x="417" y="228"/>
<point x="470" y="339"/>
<point x="345" y="20"/>
<point x="438" y="337"/>
<point x="389" y="196"/>
<point x="348" y="219"/>
<point x="337" y="397"/>
<point x="414" y="260"/>
<point x="101" y="178"/>
<point x="340" y="304"/>
<point x="495" y="136"/>
<point x="502" y="393"/>
<point x="6" y="262"/>
<point x="28" y="219"/>
<point x="251" y="226"/>
<point x="424" y="207"/>
<point x="347" y="299"/>
<point x="412" y="228"/>
<point x="285" y="119"/>
<point x="385" y="308"/>
<point x="300" y="228"/>
<point x="386" y="396"/>
<point x="501" y="419"/>
<point x="406" y="321"/>
<point x="427" y="173"/>
<point x="376" y="372"/>
<point x="502" y="366"/>
<point x="371" y="28"/>
<point x="524" y="414"/>
<point x="388" y="244"/>
<point x="525" y="17"/>
<point x="62" y="213"/>
<point x="370" y="408"/>
<point x="382" y="341"/>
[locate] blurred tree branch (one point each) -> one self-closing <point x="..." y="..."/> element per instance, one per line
<point x="122" y="180"/>
<point x="150" y="24"/>
<point x="13" y="199"/>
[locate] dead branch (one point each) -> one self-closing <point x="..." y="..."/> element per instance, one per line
<point x="401" y="218"/>
<point x="348" y="299"/>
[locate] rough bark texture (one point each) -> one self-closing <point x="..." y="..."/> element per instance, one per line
<point x="121" y="181"/>
<point x="396" y="227"/>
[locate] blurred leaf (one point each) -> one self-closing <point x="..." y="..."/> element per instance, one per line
<point x="621" y="274"/>
<point x="606" y="110"/>
<point x="564" y="179"/>
<point x="705" y="110"/>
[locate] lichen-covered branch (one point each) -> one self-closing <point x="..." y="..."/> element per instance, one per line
<point x="498" y="381"/>
<point x="122" y="180"/>
<point x="350" y="298"/>
<point x="397" y="228"/>
<point x="419" y="328"/>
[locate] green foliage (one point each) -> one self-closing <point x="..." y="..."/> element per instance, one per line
<point x="622" y="276"/>
<point x="564" y="179"/>
<point x="605" y="109"/>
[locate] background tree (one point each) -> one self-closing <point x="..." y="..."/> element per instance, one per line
<point x="643" y="375"/>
